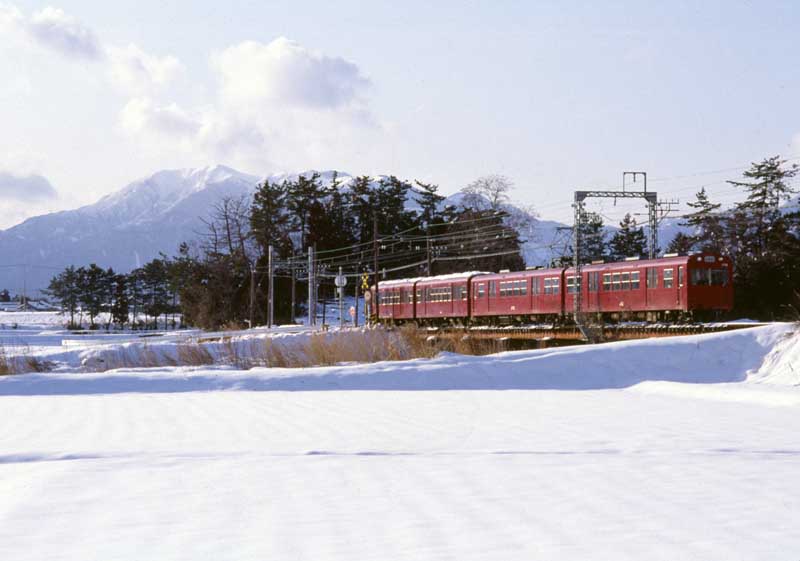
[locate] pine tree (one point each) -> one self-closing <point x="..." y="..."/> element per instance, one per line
<point x="767" y="187"/>
<point x="708" y="225"/>
<point x="363" y="205"/>
<point x="64" y="289"/>
<point x="629" y="240"/>
<point x="120" y="306"/>
<point x="269" y="219"/>
<point x="303" y="196"/>
<point x="593" y="237"/>
<point x="681" y="244"/>
<point x="429" y="201"/>
<point x="93" y="291"/>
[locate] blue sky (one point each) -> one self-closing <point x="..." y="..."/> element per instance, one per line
<point x="555" y="95"/>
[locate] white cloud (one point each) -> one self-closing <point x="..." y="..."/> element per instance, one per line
<point x="137" y="71"/>
<point x="276" y="102"/>
<point x="32" y="187"/>
<point x="55" y="29"/>
<point x="286" y="73"/>
<point x="10" y="17"/>
<point x="143" y="116"/>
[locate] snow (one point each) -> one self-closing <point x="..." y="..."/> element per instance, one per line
<point x="678" y="448"/>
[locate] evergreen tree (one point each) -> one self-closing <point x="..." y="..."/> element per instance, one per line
<point x="594" y="237"/>
<point x="593" y="242"/>
<point x="708" y="225"/>
<point x="94" y="289"/>
<point x="429" y="201"/>
<point x="303" y="198"/>
<point x="764" y="243"/>
<point x="269" y="219"/>
<point x="155" y="279"/>
<point x="120" y="307"/>
<point x="681" y="244"/>
<point x="766" y="186"/>
<point x="628" y="241"/>
<point x="64" y="289"/>
<point x="363" y="205"/>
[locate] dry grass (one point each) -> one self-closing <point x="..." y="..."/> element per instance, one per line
<point x="193" y="354"/>
<point x="317" y="349"/>
<point x="21" y="362"/>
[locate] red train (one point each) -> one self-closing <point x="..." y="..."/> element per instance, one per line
<point x="672" y="287"/>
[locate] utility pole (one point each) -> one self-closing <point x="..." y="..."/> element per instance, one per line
<point x="374" y="300"/>
<point x="291" y="312"/>
<point x="271" y="297"/>
<point x="355" y="304"/>
<point x="428" y="250"/>
<point x="252" y="295"/>
<point x="311" y="312"/>
<point x="340" y="280"/>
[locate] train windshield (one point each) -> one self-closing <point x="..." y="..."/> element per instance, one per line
<point x="709" y="277"/>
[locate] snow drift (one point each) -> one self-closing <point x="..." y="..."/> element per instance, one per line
<point x="712" y="358"/>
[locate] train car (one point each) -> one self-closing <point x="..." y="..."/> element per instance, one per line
<point x="522" y="295"/>
<point x="672" y="286"/>
<point x="443" y="298"/>
<point x="396" y="300"/>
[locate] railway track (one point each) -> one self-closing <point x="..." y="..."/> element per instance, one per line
<point x="546" y="335"/>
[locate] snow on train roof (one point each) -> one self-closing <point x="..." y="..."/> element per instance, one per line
<point x="437" y="278"/>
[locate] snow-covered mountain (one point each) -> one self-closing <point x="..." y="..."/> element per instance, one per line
<point x="121" y="230"/>
<point x="131" y="226"/>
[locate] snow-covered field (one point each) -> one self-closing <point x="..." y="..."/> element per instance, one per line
<point x="681" y="448"/>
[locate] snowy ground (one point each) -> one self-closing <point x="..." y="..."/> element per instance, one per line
<point x="683" y="448"/>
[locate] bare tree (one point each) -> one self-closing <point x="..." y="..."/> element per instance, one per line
<point x="489" y="192"/>
<point x="227" y="229"/>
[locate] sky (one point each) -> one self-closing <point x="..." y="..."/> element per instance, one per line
<point x="557" y="96"/>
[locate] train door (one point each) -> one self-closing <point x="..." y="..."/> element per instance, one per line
<point x="591" y="294"/>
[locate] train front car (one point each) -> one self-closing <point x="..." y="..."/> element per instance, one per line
<point x="669" y="288"/>
<point x="710" y="285"/>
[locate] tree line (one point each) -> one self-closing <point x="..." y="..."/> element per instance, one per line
<point x="136" y="299"/>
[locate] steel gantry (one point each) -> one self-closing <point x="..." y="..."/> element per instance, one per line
<point x="652" y="220"/>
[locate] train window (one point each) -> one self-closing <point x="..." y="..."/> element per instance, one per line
<point x="572" y="285"/>
<point x="607" y="282"/>
<point x="700" y="277"/>
<point x="635" y="280"/>
<point x="667" y="278"/>
<point x="615" y="283"/>
<point x="523" y="287"/>
<point x="719" y="277"/>
<point x="625" y="281"/>
<point x="419" y="295"/>
<point x="680" y="276"/>
<point x="551" y="285"/>
<point x="493" y="288"/>
<point x="517" y="288"/>
<point x="481" y="290"/>
<point x="652" y="277"/>
<point x="534" y="286"/>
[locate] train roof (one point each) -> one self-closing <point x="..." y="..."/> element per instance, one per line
<point x="611" y="265"/>
<point x="437" y="278"/>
